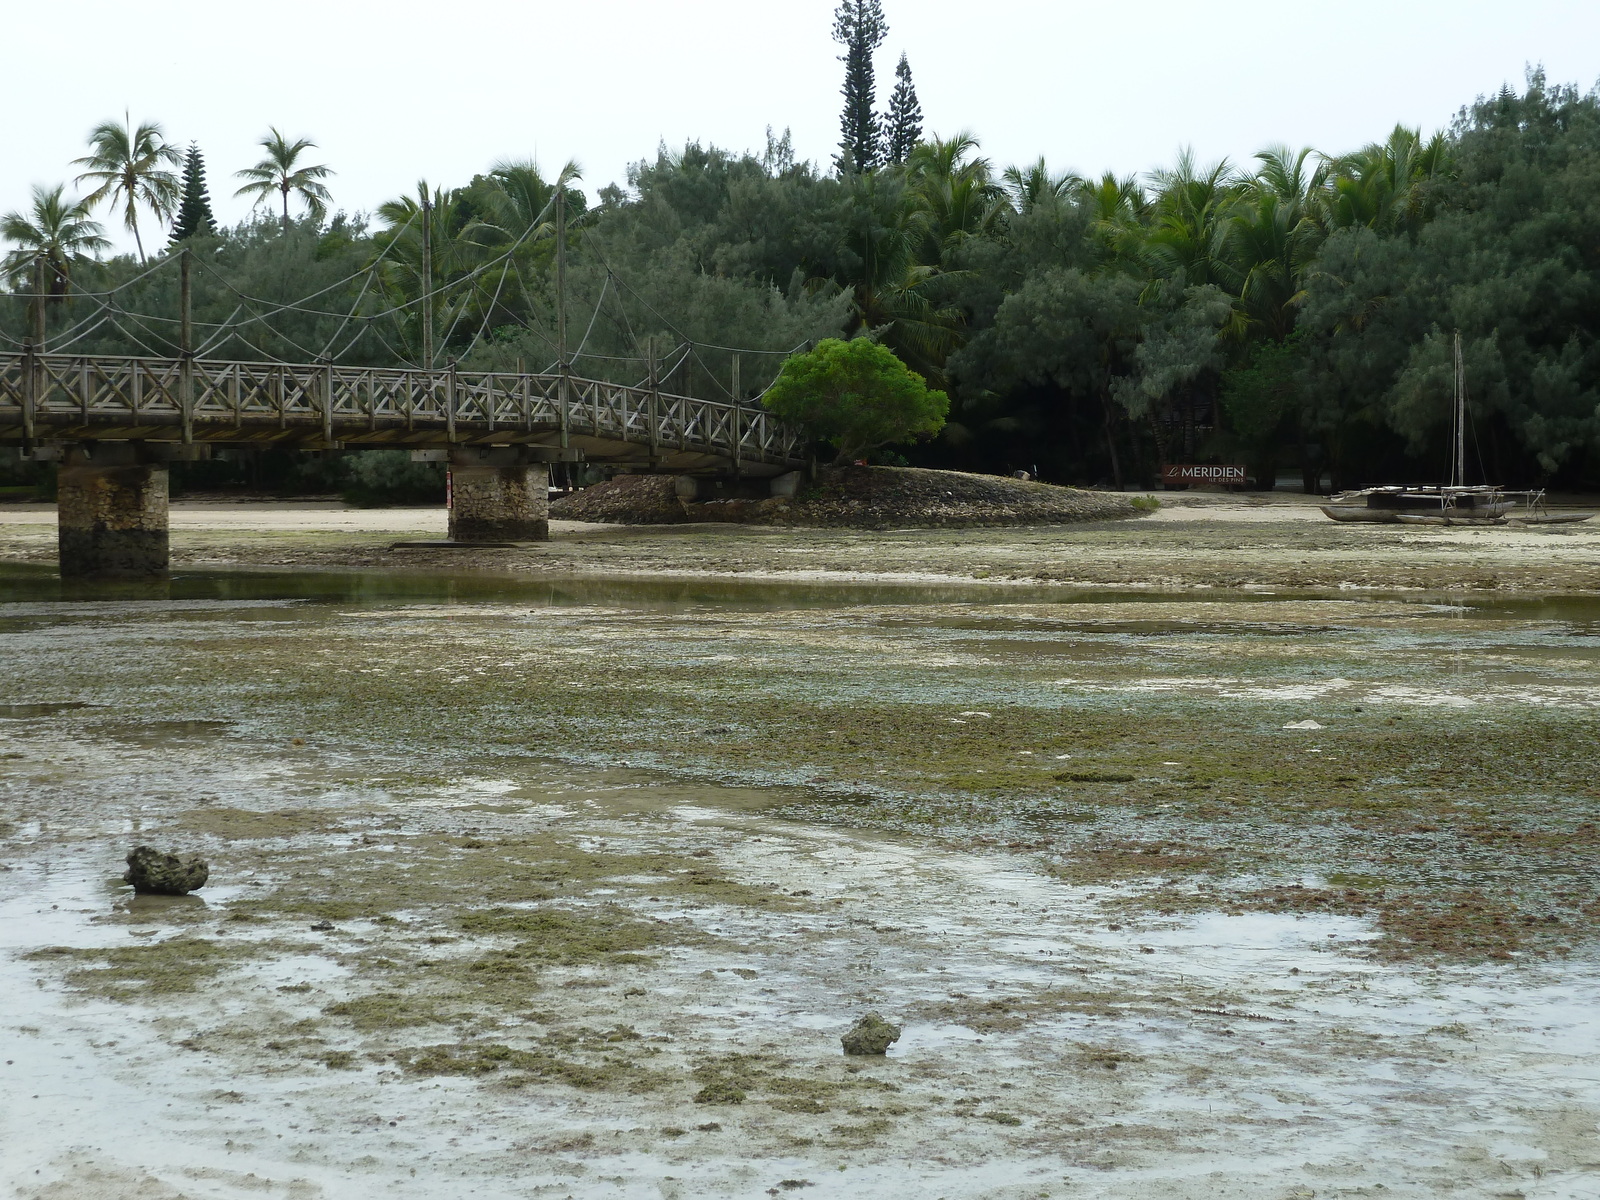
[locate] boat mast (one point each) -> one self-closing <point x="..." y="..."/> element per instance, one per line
<point x="1458" y="422"/>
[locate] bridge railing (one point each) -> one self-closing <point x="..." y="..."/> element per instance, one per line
<point x="209" y="395"/>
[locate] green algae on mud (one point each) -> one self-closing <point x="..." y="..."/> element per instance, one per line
<point x="1140" y="743"/>
<point x="133" y="973"/>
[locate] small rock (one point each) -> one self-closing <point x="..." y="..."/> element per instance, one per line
<point x="870" y="1035"/>
<point x="1302" y="725"/>
<point x="154" y="873"/>
<point x="323" y="926"/>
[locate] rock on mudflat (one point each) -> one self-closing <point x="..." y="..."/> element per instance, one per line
<point x="159" y="874"/>
<point x="870" y="1035"/>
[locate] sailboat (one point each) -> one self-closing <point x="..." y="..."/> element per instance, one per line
<point x="1453" y="503"/>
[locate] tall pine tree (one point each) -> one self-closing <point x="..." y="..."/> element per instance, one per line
<point x="859" y="26"/>
<point x="903" y="123"/>
<point x="194" y="210"/>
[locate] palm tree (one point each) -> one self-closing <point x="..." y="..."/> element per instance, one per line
<point x="1034" y="185"/>
<point x="127" y="164"/>
<point x="958" y="195"/>
<point x="1116" y="209"/>
<point x="59" y="229"/>
<point x="888" y="229"/>
<point x="455" y="243"/>
<point x="1388" y="186"/>
<point x="1189" y="235"/>
<point x="520" y="205"/>
<point x="279" y="172"/>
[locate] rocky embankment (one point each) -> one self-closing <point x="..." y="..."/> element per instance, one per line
<point x="855" y="497"/>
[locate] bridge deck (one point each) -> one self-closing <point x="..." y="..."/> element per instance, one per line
<point x="99" y="397"/>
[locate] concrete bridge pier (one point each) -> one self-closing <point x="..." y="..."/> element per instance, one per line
<point x="497" y="494"/>
<point x="112" y="512"/>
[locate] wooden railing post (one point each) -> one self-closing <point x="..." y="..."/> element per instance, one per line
<point x="327" y="403"/>
<point x="654" y="414"/>
<point x="564" y="400"/>
<point x="450" y="401"/>
<point x="30" y="390"/>
<point x="525" y="386"/>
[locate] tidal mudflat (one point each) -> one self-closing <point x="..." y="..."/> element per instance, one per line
<point x="545" y="887"/>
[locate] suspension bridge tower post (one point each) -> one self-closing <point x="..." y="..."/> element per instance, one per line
<point x="186" y="346"/>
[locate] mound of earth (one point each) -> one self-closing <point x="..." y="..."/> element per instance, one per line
<point x="858" y="497"/>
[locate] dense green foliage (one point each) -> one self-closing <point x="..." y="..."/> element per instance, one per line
<point x="857" y="395"/>
<point x="1296" y="316"/>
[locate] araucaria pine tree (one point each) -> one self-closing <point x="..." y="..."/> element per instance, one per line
<point x="194" y="210"/>
<point x="903" y="123"/>
<point x="859" y="26"/>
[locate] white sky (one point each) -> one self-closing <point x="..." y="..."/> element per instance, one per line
<point x="400" y="90"/>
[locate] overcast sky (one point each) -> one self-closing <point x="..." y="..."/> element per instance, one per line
<point x="401" y="90"/>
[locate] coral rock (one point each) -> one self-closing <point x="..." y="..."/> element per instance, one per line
<point x="870" y="1035"/>
<point x="159" y="874"/>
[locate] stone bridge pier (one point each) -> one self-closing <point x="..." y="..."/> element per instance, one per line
<point x="112" y="512"/>
<point x="499" y="494"/>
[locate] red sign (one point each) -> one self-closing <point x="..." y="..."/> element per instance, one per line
<point x="1203" y="473"/>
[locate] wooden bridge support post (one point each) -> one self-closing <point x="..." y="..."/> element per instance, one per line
<point x="738" y="419"/>
<point x="112" y="514"/>
<point x="186" y="346"/>
<point x="32" y="368"/>
<point x="496" y="495"/>
<point x="654" y="415"/>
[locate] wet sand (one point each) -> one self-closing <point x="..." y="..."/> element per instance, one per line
<point x="1195" y="540"/>
<point x="1175" y="895"/>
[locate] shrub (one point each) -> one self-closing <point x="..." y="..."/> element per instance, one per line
<point x="857" y="395"/>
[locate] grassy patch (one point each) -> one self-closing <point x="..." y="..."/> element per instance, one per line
<point x="570" y="937"/>
<point x="387" y="1010"/>
<point x="164" y="968"/>
<point x="591" y="1064"/>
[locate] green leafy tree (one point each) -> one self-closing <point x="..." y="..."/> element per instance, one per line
<point x="859" y="26"/>
<point x="280" y="171"/>
<point x="1176" y="364"/>
<point x="903" y="125"/>
<point x="129" y="167"/>
<point x="1259" y="399"/>
<point x="194" y="209"/>
<point x="60" y="230"/>
<point x="857" y="395"/>
<point x="1075" y="332"/>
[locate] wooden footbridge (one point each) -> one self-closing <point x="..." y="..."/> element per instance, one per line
<point x="115" y="422"/>
<point x="555" y="417"/>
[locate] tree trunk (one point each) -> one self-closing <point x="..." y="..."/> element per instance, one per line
<point x="1156" y="428"/>
<point x="1111" y="440"/>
